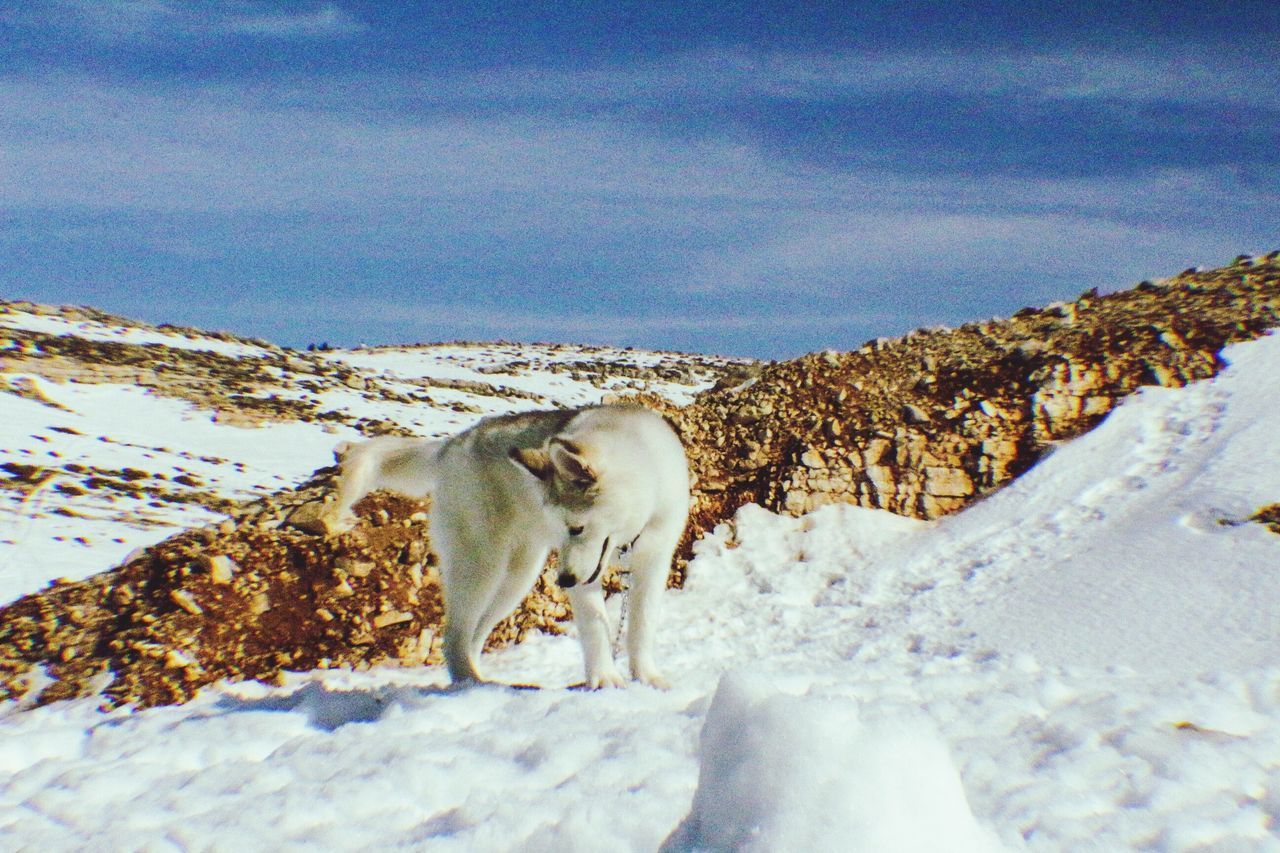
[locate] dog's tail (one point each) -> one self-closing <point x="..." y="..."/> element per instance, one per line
<point x="409" y="466"/>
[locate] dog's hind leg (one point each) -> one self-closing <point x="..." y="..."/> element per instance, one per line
<point x="522" y="571"/>
<point x="469" y="580"/>
<point x="592" y="620"/>
<point x="650" y="563"/>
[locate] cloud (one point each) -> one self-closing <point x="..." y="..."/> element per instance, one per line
<point x="133" y="20"/>
<point x="1074" y="74"/>
<point x="713" y="214"/>
<point x="327" y="20"/>
<point x="389" y="185"/>
<point x="1140" y="75"/>
<point x="80" y="142"/>
<point x="948" y="264"/>
<point x="1069" y="113"/>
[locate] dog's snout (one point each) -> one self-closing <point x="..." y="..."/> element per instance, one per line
<point x="566" y="580"/>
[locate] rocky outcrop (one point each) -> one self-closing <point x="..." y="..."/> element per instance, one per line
<point x="925" y="424"/>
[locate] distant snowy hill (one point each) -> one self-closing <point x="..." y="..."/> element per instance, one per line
<point x="116" y="434"/>
<point x="1086" y="659"/>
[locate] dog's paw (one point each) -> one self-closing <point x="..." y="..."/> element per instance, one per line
<point x="651" y="677"/>
<point x="462" y="685"/>
<point x="606" y="678"/>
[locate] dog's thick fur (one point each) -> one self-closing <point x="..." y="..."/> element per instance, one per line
<point x="511" y="489"/>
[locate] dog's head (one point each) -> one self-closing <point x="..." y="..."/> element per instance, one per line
<point x="571" y="483"/>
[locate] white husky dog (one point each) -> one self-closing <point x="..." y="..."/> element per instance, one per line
<point x="511" y="489"/>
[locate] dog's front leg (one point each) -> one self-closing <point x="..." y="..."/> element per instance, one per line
<point x="650" y="560"/>
<point x="592" y="620"/>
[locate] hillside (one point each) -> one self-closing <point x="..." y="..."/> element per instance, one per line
<point x="925" y="424"/>
<point x="921" y="426"/>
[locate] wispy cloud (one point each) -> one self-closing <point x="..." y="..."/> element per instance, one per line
<point x="324" y="21"/>
<point x="76" y="141"/>
<point x="522" y="189"/>
<point x="1137" y="75"/>
<point x="746" y="221"/>
<point x="1134" y="75"/>
<point x="122" y="20"/>
<point x="946" y="264"/>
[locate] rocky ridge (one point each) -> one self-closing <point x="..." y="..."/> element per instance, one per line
<point x="920" y="425"/>
<point x="925" y="424"/>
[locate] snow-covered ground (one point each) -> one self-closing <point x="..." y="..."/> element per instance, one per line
<point x="526" y="368"/>
<point x="47" y="534"/>
<point x="1088" y="659"/>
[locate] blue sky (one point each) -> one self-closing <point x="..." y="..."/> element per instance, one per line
<point x="759" y="179"/>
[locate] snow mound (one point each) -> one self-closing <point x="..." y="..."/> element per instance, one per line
<point x="780" y="771"/>
<point x="1128" y="545"/>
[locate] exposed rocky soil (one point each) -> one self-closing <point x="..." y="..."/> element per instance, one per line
<point x="75" y="480"/>
<point x="277" y="384"/>
<point x="1269" y="516"/>
<point x="924" y="424"/>
<point x="240" y="389"/>
<point x="921" y="425"/>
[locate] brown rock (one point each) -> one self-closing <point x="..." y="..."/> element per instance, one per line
<point x="184" y="599"/>
<point x="391" y="617"/>
<point x="947" y="482"/>
<point x="221" y="568"/>
<point x="314" y="517"/>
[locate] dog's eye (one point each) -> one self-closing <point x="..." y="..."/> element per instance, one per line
<point x="575" y="530"/>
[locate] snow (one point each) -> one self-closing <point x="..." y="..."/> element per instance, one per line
<point x="525" y="368"/>
<point x="786" y="772"/>
<point x="1085" y="660"/>
<point x="1133" y="516"/>
<point x="116" y="427"/>
<point x="93" y="330"/>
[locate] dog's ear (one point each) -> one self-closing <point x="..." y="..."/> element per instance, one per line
<point x="536" y="462"/>
<point x="571" y="463"/>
